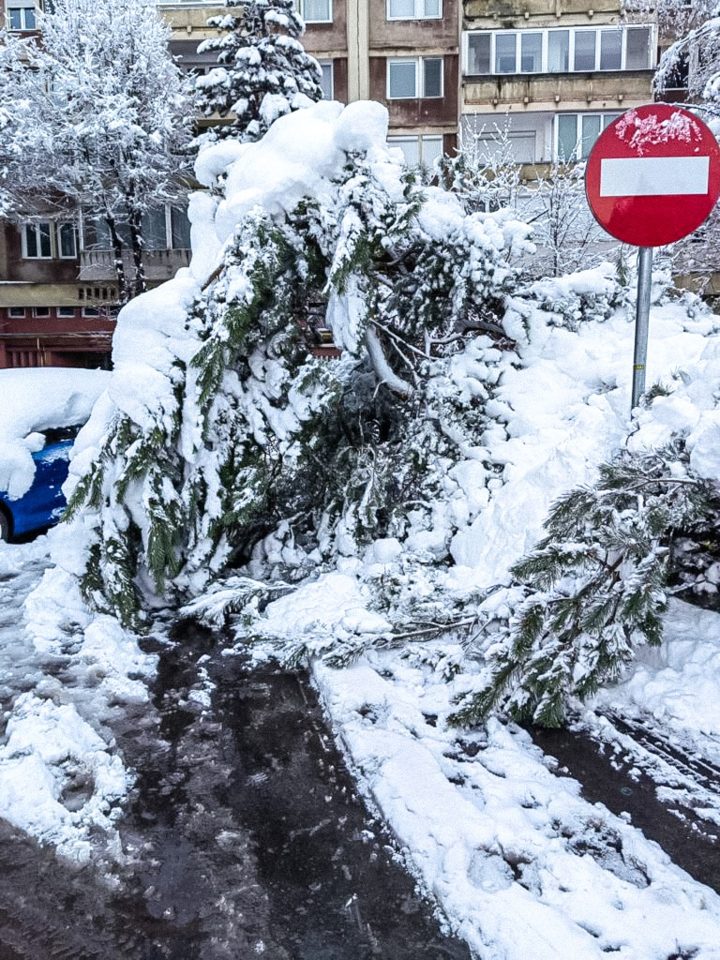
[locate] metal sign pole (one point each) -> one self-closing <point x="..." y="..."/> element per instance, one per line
<point x="642" y="322"/>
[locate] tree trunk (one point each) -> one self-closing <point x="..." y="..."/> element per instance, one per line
<point x="124" y="293"/>
<point x="137" y="244"/>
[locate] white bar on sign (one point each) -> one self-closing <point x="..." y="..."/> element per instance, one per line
<point x="654" y="176"/>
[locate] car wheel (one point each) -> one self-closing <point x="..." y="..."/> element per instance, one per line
<point x="4" y="527"/>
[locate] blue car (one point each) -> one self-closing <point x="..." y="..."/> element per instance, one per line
<point x="44" y="503"/>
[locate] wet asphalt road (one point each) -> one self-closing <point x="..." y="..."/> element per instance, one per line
<point x="245" y="837"/>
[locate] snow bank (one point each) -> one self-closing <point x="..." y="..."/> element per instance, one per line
<point x="521" y="864"/>
<point x="567" y="410"/>
<point x="37" y="399"/>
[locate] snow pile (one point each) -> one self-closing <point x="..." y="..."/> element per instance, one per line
<point x="61" y="777"/>
<point x="36" y="400"/>
<point x="566" y="410"/>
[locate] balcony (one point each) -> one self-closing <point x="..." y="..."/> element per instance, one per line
<point x="160" y="265"/>
<point x="556" y="91"/>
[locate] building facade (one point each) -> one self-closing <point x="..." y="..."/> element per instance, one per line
<point x="542" y="78"/>
<point x="545" y="77"/>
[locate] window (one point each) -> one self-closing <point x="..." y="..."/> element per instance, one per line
<point x="180" y="229"/>
<point x="67" y="241"/>
<point x="411" y="79"/>
<point x="576" y="49"/>
<point x="637" y="56"/>
<point x="327" y="79"/>
<point x="414" y="9"/>
<point x="315" y="11"/>
<point x="37" y="240"/>
<point x="420" y="151"/>
<point x="66" y="311"/>
<point x="585" y="41"/>
<point x="90" y="312"/>
<point x="21" y="15"/>
<point x="17" y="313"/>
<point x="41" y="311"/>
<point x="576" y="133"/>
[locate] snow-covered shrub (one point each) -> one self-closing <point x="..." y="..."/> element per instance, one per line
<point x="569" y="300"/>
<point x="596" y="586"/>
<point x="251" y="441"/>
<point x="263" y="70"/>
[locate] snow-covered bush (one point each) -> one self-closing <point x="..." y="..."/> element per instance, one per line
<point x="263" y="70"/>
<point x="596" y="586"/>
<point x="249" y="440"/>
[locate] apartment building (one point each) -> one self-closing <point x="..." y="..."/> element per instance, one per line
<point x="550" y="75"/>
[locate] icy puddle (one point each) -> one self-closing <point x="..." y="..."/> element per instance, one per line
<point x="243" y="834"/>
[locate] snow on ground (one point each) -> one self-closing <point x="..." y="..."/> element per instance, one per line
<point x="35" y="400"/>
<point x="521" y="865"/>
<point x="65" y="672"/>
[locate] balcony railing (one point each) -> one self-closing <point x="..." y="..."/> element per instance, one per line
<point x="96" y="265"/>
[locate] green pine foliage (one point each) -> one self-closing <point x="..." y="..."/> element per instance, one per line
<point x="266" y="442"/>
<point x="594" y="588"/>
<point x="263" y="70"/>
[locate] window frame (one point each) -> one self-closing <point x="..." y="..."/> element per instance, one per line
<point x="69" y="313"/>
<point x="300" y="8"/>
<point x="24" y="7"/>
<point x="420" y="139"/>
<point x="37" y="314"/>
<point x="573" y="31"/>
<point x="419" y="77"/>
<point x="35" y="226"/>
<point x="59" y="225"/>
<point x="416" y="16"/>
<point x="17" y="313"/>
<point x="331" y="65"/>
<point x="606" y="118"/>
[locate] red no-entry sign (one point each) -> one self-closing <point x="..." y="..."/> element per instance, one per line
<point x="653" y="175"/>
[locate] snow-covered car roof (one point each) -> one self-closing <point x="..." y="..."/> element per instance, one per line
<point x="37" y="399"/>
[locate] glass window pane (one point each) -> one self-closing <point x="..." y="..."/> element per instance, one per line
<point x="505" y="53"/>
<point x="66" y="240"/>
<point x="326" y="83"/>
<point x="44" y="239"/>
<point x="559" y="51"/>
<point x="479" y="53"/>
<point x="31" y="247"/>
<point x="432" y="148"/>
<point x="567" y="135"/>
<point x="154" y="230"/>
<point x="409" y="147"/>
<point x="432" y="69"/>
<point x="316" y="10"/>
<point x="531" y="52"/>
<point x="432" y="8"/>
<point x="637" y="55"/>
<point x="15" y="19"/>
<point x="584" y="50"/>
<point x="30" y="18"/>
<point x="608" y="119"/>
<point x="403" y="79"/>
<point x="610" y="49"/>
<point x="590" y="133"/>
<point x="180" y="229"/>
<point x="402" y="8"/>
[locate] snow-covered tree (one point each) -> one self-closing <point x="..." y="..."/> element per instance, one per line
<point x="258" y="451"/>
<point x="485" y="176"/>
<point x="95" y="116"/>
<point x="263" y="70"/>
<point x="596" y="586"/>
